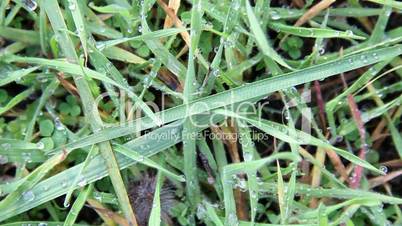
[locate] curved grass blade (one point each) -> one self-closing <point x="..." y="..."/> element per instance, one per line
<point x="261" y="39"/>
<point x="77" y="206"/>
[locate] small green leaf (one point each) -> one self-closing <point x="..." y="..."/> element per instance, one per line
<point x="71" y="100"/>
<point x="64" y="108"/>
<point x="48" y="143"/>
<point x="295" y="53"/>
<point x="46" y="127"/>
<point x="75" y="110"/>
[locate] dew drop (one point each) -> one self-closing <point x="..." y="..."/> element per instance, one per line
<point x="275" y="15"/>
<point x="384" y="169"/>
<point x="40" y="145"/>
<point x="141" y="158"/>
<point x="72" y="6"/>
<point x="364" y="59"/>
<point x="28" y="196"/>
<point x="58" y="124"/>
<point x="232" y="219"/>
<point x="3" y="159"/>
<point x="349" y="33"/>
<point x="82" y="182"/>
<point x="321" y="51"/>
<point x="339" y="139"/>
<point x="30" y="4"/>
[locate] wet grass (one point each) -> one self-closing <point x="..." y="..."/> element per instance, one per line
<point x="200" y="112"/>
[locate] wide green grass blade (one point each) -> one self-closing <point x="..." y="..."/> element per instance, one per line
<point x="246" y="92"/>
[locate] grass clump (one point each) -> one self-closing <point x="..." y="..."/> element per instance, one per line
<point x="200" y="112"/>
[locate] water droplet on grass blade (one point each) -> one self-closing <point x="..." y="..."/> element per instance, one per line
<point x="82" y="182"/>
<point x="71" y="6"/>
<point x="40" y="145"/>
<point x="3" y="159"/>
<point x="28" y="196"/>
<point x="384" y="169"/>
<point x="30" y="4"/>
<point x="349" y="33"/>
<point x="275" y="15"/>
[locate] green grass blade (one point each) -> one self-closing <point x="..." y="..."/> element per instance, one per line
<point x="313" y="32"/>
<point x="16" y="100"/>
<point x="261" y="39"/>
<point x="16" y="75"/>
<point x="155" y="216"/>
<point x="394" y="4"/>
<point x="77" y="206"/>
<point x="146" y="161"/>
<point x="15" y="34"/>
